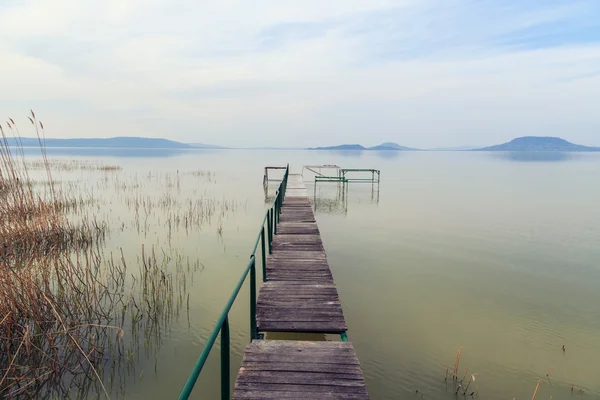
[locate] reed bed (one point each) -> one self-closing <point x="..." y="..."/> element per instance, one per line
<point x="70" y="165"/>
<point x="207" y="175"/>
<point x="49" y="286"/>
<point x="33" y="222"/>
<point x="76" y="314"/>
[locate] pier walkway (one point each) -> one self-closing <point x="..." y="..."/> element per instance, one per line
<point x="298" y="294"/>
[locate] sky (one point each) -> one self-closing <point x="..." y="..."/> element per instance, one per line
<point x="421" y="73"/>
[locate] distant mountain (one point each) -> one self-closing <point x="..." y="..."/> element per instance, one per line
<point x="391" y="146"/>
<point x="383" y="146"/>
<point x="123" y="142"/>
<point x="539" y="143"/>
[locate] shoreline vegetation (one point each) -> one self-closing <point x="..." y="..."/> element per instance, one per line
<point x="50" y="302"/>
<point x="75" y="314"/>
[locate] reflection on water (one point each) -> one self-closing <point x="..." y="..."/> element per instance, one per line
<point x="344" y="153"/>
<point x="115" y="152"/>
<point x="333" y="197"/>
<point x="463" y="249"/>
<point x="536" y="156"/>
<point x="336" y="204"/>
<point x="389" y="154"/>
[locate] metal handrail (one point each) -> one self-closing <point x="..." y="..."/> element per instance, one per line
<point x="222" y="326"/>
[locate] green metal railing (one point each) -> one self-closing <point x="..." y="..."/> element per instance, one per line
<point x="330" y="179"/>
<point x="343" y="171"/>
<point x="265" y="240"/>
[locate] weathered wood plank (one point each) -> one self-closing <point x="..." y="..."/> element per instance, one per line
<point x="297" y="218"/>
<point x="301" y="259"/>
<point x="304" y="378"/>
<point x="301" y="279"/>
<point x="302" y="326"/>
<point x="298" y="266"/>
<point x="302" y="367"/>
<point x="301" y="359"/>
<point x="290" y="228"/>
<point x="305" y="304"/>
<point x="296" y="279"/>
<point x="300" y="370"/>
<point x="282" y="238"/>
<point x="281" y="254"/>
<point x="282" y="287"/>
<point x="267" y="395"/>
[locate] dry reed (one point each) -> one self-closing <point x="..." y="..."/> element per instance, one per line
<point x="536" y="390"/>
<point x="72" y="318"/>
<point x="456" y="363"/>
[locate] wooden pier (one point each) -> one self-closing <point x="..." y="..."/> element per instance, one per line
<point x="299" y="295"/>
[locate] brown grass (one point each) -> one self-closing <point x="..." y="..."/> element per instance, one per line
<point x="64" y="305"/>
<point x="51" y="291"/>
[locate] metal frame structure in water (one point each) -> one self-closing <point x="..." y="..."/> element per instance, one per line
<point x="343" y="171"/>
<point x="266" y="176"/>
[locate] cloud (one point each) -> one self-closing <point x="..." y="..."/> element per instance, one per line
<point x="418" y="72"/>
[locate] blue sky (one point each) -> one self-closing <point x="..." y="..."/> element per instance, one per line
<point x="421" y="73"/>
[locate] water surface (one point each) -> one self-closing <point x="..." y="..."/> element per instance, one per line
<point x="493" y="252"/>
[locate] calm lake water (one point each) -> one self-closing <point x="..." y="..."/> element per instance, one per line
<point x="496" y="253"/>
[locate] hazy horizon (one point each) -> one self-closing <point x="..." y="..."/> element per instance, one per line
<point x="304" y="74"/>
<point x="266" y="147"/>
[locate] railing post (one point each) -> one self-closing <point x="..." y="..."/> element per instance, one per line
<point x="225" y="361"/>
<point x="271" y="230"/>
<point x="264" y="254"/>
<point x="253" y="332"/>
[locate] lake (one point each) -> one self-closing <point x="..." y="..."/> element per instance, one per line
<point x="496" y="253"/>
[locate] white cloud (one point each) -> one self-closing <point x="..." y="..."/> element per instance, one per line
<point x="338" y="71"/>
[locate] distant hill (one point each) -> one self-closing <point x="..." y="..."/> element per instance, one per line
<point x="124" y="142"/>
<point x="539" y="143"/>
<point x="383" y="146"/>
<point x="391" y="146"/>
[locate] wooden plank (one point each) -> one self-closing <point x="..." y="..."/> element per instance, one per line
<point x="287" y="254"/>
<point x="298" y="217"/>
<point x="308" y="305"/>
<point x="284" y="307"/>
<point x="304" y="378"/>
<point x="297" y="264"/>
<point x="269" y="394"/>
<point x="299" y="259"/>
<point x="300" y="370"/>
<point x="302" y="358"/>
<point x="282" y="238"/>
<point x="292" y="228"/>
<point x="297" y="279"/>
<point x="318" y="326"/>
<point x="302" y="367"/>
<point x="325" y="278"/>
